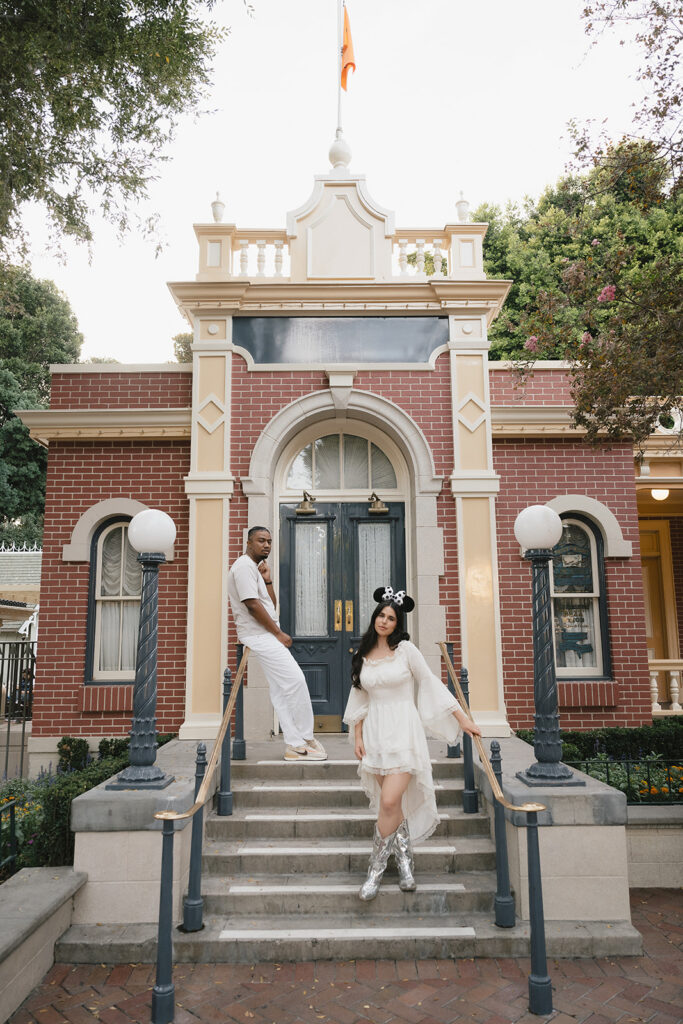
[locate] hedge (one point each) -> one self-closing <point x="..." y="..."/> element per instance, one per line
<point x="663" y="737"/>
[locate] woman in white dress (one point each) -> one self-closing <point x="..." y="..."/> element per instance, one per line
<point x="389" y="736"/>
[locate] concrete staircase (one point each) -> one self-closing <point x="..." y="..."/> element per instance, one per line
<point x="280" y="880"/>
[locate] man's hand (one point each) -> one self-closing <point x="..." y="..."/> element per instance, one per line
<point x="284" y="638"/>
<point x="264" y="569"/>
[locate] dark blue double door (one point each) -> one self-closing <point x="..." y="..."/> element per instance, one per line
<point x="330" y="564"/>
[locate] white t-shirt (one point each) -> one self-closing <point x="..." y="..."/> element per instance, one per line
<point x="246" y="582"/>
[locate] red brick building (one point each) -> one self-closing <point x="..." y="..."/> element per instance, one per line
<point x="323" y="362"/>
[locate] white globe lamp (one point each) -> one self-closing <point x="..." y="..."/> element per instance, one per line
<point x="538" y="527"/>
<point x="151" y="530"/>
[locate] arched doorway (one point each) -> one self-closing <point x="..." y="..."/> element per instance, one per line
<point x="332" y="559"/>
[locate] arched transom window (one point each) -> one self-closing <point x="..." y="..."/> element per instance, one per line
<point x="341" y="462"/>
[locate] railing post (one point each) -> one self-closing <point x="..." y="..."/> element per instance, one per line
<point x="224" y="800"/>
<point x="239" y="747"/>
<point x="504" y="902"/>
<point x="163" y="994"/>
<point x="470" y="797"/>
<point x="540" y="985"/>
<point x="451" y="751"/>
<point x="193" y="904"/>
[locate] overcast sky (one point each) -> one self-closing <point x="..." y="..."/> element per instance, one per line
<point x="448" y="95"/>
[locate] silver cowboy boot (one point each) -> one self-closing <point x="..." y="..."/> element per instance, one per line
<point x="403" y="852"/>
<point x="381" y="849"/>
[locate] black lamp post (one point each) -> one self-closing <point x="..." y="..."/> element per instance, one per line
<point x="150" y="532"/>
<point x="538" y="529"/>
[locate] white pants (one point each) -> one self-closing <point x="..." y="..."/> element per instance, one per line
<point x="287" y="685"/>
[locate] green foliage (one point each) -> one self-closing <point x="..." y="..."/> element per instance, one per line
<point x="115" y="747"/>
<point x="37" y="328"/>
<point x="43" y="817"/>
<point x="663" y="738"/>
<point x="91" y="94"/>
<point x="645" y="780"/>
<point x="429" y="262"/>
<point x="54" y="841"/>
<point x="597" y="271"/>
<point x="656" y="28"/>
<point x="182" y="347"/>
<point x="73" y="753"/>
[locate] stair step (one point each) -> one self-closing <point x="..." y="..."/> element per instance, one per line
<point x="310" y="824"/>
<point x="268" y="939"/>
<point x="306" y="894"/>
<point x="325" y="793"/>
<point x="334" y="767"/>
<point x="470" y="853"/>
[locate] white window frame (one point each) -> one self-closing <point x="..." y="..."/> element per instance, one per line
<point x="328" y="429"/>
<point x="596" y="597"/>
<point x="101" y="675"/>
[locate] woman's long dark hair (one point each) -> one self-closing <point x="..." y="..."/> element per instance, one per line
<point x="369" y="638"/>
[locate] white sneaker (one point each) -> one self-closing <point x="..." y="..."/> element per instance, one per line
<point x="316" y="750"/>
<point x="296" y="754"/>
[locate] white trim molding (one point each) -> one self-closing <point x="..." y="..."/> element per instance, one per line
<point x="78" y="550"/>
<point x="604" y="519"/>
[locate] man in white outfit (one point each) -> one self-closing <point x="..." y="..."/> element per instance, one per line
<point x="252" y="599"/>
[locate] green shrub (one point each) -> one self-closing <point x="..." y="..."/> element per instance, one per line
<point x="73" y="754"/>
<point x="116" y="747"/>
<point x="54" y="842"/>
<point x="664" y="738"/>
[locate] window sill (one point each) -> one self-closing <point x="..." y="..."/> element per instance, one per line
<point x="587" y="693"/>
<point x="97" y="697"/>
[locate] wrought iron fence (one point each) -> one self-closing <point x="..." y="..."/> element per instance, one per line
<point x="17" y="672"/>
<point x="643" y="780"/>
<point x="8" y="839"/>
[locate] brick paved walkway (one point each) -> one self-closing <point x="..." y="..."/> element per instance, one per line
<point x="627" y="989"/>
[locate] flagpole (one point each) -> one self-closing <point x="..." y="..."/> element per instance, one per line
<point x="339" y="65"/>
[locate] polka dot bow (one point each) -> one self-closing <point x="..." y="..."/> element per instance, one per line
<point x="397" y="597"/>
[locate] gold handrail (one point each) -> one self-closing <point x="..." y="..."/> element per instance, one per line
<point x="203" y="792"/>
<point x="497" y="791"/>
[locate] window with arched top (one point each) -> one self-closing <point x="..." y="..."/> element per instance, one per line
<point x="114" y="605"/>
<point x="580" y="625"/>
<point x="341" y="462"/>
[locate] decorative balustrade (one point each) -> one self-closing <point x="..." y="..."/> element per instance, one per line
<point x="227" y="251"/>
<point x="671" y="670"/>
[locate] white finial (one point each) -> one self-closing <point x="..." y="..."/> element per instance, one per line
<point x="463" y="208"/>
<point x="340" y="154"/>
<point x="218" y="208"/>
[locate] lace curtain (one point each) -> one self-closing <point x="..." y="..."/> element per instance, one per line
<point x="120" y="578"/>
<point x="374" y="567"/>
<point x="310" y="580"/>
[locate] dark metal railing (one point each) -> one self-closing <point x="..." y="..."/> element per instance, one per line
<point x="163" y="994"/>
<point x="17" y="672"/>
<point x="8" y="839"/>
<point x="540" y="985"/>
<point x="643" y="780"/>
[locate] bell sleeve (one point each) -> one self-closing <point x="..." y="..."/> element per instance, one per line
<point x="435" y="702"/>
<point x="356" y="706"/>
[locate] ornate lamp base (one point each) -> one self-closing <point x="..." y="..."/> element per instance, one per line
<point x="141" y="777"/>
<point x="552" y="773"/>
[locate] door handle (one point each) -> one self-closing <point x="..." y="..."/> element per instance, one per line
<point x="337" y="616"/>
<point x="349" y="617"/>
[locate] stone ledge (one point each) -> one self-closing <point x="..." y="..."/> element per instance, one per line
<point x="592" y="804"/>
<point x="655" y="815"/>
<point x="30" y="898"/>
<point x="128" y="810"/>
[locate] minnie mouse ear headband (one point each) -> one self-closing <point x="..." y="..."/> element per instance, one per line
<point x="399" y="598"/>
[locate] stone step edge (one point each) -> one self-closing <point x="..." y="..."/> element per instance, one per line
<point x="136" y="943"/>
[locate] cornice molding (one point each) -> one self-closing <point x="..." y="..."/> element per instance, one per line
<point x="47" y="425"/>
<point x="538" y="420"/>
<point x="276" y="296"/>
<point x="120" y="367"/>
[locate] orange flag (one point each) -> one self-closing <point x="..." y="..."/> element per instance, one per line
<point x="348" y="60"/>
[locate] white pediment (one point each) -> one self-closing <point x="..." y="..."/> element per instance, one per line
<point x="340" y="233"/>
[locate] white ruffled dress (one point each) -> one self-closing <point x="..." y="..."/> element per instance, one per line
<point x="394" y="729"/>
